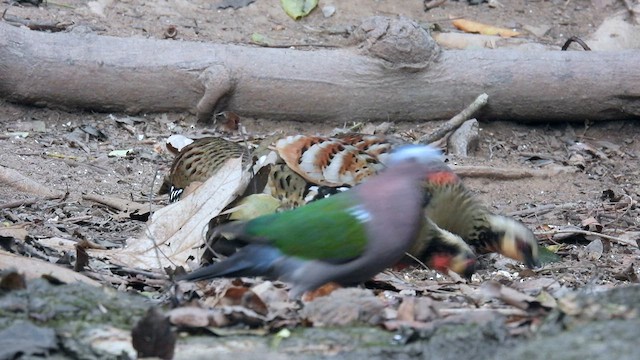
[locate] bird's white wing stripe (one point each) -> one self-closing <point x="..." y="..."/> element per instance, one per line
<point x="360" y="213"/>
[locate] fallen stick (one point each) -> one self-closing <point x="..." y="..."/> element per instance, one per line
<point x="503" y="173"/>
<point x="542" y="209"/>
<point x="455" y="121"/>
<point x="30" y="201"/>
<point x="33" y="268"/>
<point x="22" y="183"/>
<point x="502" y="311"/>
<point x="586" y="232"/>
<point x="115" y="203"/>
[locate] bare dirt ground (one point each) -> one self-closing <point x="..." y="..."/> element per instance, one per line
<point x="603" y="182"/>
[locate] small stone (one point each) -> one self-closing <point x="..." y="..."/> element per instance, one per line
<point x="328" y="10"/>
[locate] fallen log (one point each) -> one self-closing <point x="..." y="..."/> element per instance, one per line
<point x="396" y="71"/>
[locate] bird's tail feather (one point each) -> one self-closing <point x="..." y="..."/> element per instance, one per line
<point x="251" y="260"/>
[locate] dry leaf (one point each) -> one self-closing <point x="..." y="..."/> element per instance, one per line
<point x="276" y="298"/>
<point x="58" y="244"/>
<point x="591" y="224"/>
<point x="323" y="290"/>
<point x="243" y="296"/>
<point x="631" y="238"/>
<point x="252" y="206"/>
<point x="533" y="286"/>
<point x="175" y="232"/>
<point x="175" y="143"/>
<point x="269" y="293"/>
<point x="627" y="274"/>
<point x="16" y="231"/>
<point x="493" y="289"/>
<point x="218" y="317"/>
<point x="189" y="316"/>
<point x="593" y="251"/>
<point x="484" y="29"/>
<point x="417" y="309"/>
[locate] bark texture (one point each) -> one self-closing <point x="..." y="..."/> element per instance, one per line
<point x="395" y="71"/>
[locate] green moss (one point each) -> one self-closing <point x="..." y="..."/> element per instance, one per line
<point x="73" y="307"/>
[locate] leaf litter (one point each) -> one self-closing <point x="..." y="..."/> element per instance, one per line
<point x="420" y="299"/>
<point x="591" y="226"/>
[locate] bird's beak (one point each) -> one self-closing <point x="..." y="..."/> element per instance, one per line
<point x="463" y="265"/>
<point x="520" y="250"/>
<point x="530" y="256"/>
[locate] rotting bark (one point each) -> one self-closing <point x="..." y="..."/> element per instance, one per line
<point x="396" y="72"/>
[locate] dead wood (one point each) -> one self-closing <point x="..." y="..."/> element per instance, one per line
<point x="396" y="71"/>
<point x="589" y="233"/>
<point x="116" y="203"/>
<point x="542" y="209"/>
<point x="27" y="202"/>
<point x="14" y="179"/>
<point x="494" y="173"/>
<point x="33" y="268"/>
<point x="456" y="121"/>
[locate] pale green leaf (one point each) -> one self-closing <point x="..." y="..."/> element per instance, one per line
<point x="298" y="8"/>
<point x="253" y="206"/>
<point x="120" y="153"/>
<point x="260" y="39"/>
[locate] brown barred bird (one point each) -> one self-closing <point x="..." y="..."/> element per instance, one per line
<point x="198" y="161"/>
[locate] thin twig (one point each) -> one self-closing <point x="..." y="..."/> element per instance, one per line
<point x="30" y="201"/>
<point x="73" y="163"/>
<point x="507" y="311"/>
<point x="558" y="268"/>
<point x="541" y="156"/>
<point x="455" y="121"/>
<point x="586" y="232"/>
<point x="118" y="204"/>
<point x="52" y="26"/>
<point x="76" y="219"/>
<point x="626" y="210"/>
<point x="542" y="209"/>
<point x="417" y="260"/>
<point x="576" y="40"/>
<point x="146" y="274"/>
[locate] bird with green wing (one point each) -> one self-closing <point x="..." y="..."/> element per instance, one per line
<point x="346" y="238"/>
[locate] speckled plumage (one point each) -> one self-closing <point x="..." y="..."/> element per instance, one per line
<point x="453" y="207"/>
<point x="197" y="162"/>
<point x="331" y="161"/>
